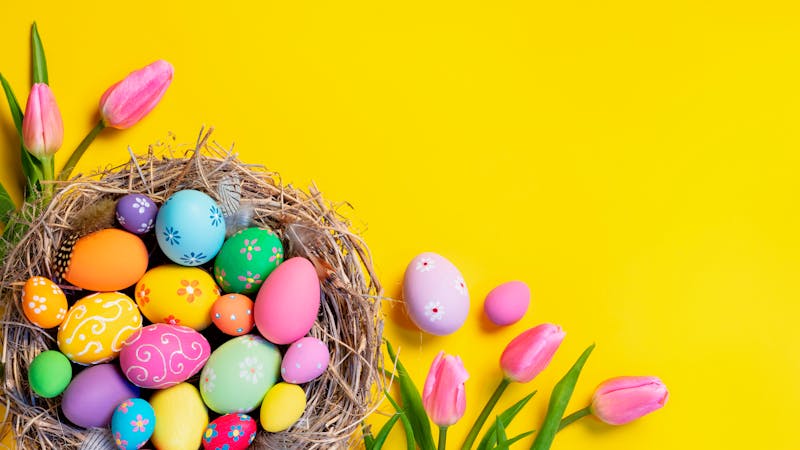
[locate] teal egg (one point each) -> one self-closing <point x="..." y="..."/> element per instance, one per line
<point x="49" y="373"/>
<point x="246" y="259"/>
<point x="133" y="423"/>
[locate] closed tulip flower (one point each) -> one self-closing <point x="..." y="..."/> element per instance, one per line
<point x="443" y="395"/>
<point x="530" y="353"/>
<point x="127" y="102"/>
<point x="42" y="127"/>
<point x="620" y="400"/>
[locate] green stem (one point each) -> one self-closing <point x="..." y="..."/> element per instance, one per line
<point x="442" y="438"/>
<point x="476" y="428"/>
<point x="76" y="155"/>
<point x="48" y="175"/>
<point x="579" y="414"/>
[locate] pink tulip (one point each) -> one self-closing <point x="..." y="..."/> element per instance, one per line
<point x="620" y="400"/>
<point x="127" y="102"/>
<point x="42" y="127"/>
<point x="443" y="395"/>
<point x="530" y="353"/>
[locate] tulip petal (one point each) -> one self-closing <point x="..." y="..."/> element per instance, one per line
<point x="621" y="400"/>
<point x="129" y="100"/>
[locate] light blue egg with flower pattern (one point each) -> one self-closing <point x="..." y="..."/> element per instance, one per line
<point x="190" y="228"/>
<point x="132" y="423"/>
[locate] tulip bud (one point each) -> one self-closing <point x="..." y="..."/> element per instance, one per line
<point x="42" y="127"/>
<point x="620" y="400"/>
<point x="530" y="353"/>
<point x="127" y="102"/>
<point x="443" y="395"/>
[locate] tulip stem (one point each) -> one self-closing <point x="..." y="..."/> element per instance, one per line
<point x="476" y="428"/>
<point x="579" y="414"/>
<point x="76" y="155"/>
<point x="48" y="175"/>
<point x="442" y="438"/>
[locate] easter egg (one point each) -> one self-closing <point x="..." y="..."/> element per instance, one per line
<point x="283" y="405"/>
<point x="507" y="303"/>
<point x="231" y="432"/>
<point x="96" y="327"/>
<point x="239" y="373"/>
<point x="305" y="360"/>
<point x="132" y="423"/>
<point x="43" y="303"/>
<point x="106" y="260"/>
<point x="91" y="398"/>
<point x="288" y="302"/>
<point x="49" y="373"/>
<point x="435" y="294"/>
<point x="162" y="355"/>
<point x="233" y="314"/>
<point x="190" y="228"/>
<point x="177" y="295"/>
<point x="136" y="213"/>
<point x="246" y="259"/>
<point x="181" y="418"/>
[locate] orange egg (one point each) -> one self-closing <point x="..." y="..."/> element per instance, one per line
<point x="43" y="303"/>
<point x="107" y="260"/>
<point x="233" y="314"/>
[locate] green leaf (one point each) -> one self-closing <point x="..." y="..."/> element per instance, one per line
<point x="13" y="104"/>
<point x="31" y="167"/>
<point x="490" y="437"/>
<point x="369" y="440"/>
<point x="404" y="420"/>
<point x="384" y="433"/>
<point x="502" y="439"/>
<point x="513" y="440"/>
<point x="559" y="399"/>
<point x="412" y="404"/>
<point x="7" y="205"/>
<point x="39" y="61"/>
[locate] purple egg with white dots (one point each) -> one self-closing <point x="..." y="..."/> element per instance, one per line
<point x="136" y="213"/>
<point x="305" y="360"/>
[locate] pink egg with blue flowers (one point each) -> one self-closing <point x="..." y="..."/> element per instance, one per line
<point x="435" y="294"/>
<point x="305" y="360"/>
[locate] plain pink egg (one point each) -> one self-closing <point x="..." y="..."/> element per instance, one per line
<point x="507" y="303"/>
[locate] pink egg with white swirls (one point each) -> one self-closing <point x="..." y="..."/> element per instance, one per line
<point x="162" y="355"/>
<point x="435" y="294"/>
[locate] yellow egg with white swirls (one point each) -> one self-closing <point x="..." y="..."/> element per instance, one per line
<point x="96" y="327"/>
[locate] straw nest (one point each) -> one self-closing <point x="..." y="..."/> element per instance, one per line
<point x="309" y="226"/>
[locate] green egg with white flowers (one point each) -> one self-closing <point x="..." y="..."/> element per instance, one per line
<point x="246" y="259"/>
<point x="49" y="374"/>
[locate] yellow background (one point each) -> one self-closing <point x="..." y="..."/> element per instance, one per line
<point x="635" y="162"/>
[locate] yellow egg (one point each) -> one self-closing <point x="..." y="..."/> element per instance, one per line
<point x="181" y="418"/>
<point x="43" y="303"/>
<point x="178" y="295"/>
<point x="283" y="405"/>
<point x="96" y="327"/>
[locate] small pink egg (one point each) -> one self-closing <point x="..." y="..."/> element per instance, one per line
<point x="305" y="360"/>
<point x="507" y="303"/>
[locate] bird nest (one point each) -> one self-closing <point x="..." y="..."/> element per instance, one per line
<point x="349" y="319"/>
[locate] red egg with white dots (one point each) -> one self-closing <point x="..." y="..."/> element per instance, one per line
<point x="233" y="314"/>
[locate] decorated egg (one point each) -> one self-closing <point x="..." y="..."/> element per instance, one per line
<point x="106" y="260"/>
<point x="239" y="373"/>
<point x="305" y="360"/>
<point x="283" y="405"/>
<point x="136" y="213"/>
<point x="162" y="355"/>
<point x="96" y="327"/>
<point x="231" y="432"/>
<point x="177" y="295"/>
<point x="507" y="303"/>
<point x="288" y="302"/>
<point x="181" y="418"/>
<point x="435" y="294"/>
<point x="132" y="423"/>
<point x="91" y="398"/>
<point x="246" y="259"/>
<point x="190" y="228"/>
<point x="233" y="314"/>
<point x="43" y="303"/>
<point x="49" y="373"/>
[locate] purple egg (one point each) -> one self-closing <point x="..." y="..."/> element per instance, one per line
<point x="92" y="396"/>
<point x="435" y="294"/>
<point x="136" y="213"/>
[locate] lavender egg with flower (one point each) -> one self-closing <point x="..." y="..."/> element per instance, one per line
<point x="190" y="228"/>
<point x="435" y="294"/>
<point x="136" y="213"/>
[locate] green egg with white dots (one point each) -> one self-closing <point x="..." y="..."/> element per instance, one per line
<point x="49" y="374"/>
<point x="246" y="259"/>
